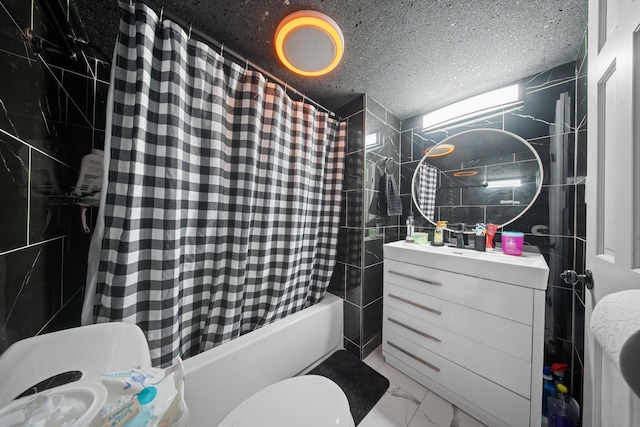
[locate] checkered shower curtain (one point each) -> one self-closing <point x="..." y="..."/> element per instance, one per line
<point x="222" y="205"/>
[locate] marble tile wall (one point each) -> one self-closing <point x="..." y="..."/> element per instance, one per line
<point x="562" y="243"/>
<point x="52" y="112"/>
<point x="372" y="146"/>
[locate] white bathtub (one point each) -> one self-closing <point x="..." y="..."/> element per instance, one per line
<point x="218" y="380"/>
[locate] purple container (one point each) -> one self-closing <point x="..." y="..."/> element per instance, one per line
<point x="512" y="242"/>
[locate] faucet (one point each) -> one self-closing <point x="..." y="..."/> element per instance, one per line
<point x="462" y="240"/>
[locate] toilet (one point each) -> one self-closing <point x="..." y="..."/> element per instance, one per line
<point x="307" y="400"/>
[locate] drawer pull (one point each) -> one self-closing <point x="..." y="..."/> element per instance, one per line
<point x="429" y="282"/>
<point x="413" y="356"/>
<point x="414" y="330"/>
<point x="415" y="304"/>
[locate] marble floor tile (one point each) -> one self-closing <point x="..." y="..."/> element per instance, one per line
<point x="375" y="359"/>
<point x="404" y="382"/>
<point x="433" y="411"/>
<point x="395" y="409"/>
<point x="409" y="404"/>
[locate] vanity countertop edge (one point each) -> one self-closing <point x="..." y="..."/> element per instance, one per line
<point x="529" y="269"/>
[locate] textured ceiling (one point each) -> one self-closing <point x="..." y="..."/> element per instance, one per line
<point x="410" y="56"/>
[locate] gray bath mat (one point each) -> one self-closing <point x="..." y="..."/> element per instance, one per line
<point x="362" y="385"/>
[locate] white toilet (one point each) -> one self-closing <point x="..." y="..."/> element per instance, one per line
<point x="307" y="400"/>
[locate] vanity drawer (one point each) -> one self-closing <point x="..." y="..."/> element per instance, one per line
<point x="502" y="368"/>
<point x="503" y="404"/>
<point x="501" y="299"/>
<point x="496" y="332"/>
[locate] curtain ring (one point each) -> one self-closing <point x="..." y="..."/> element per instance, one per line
<point x="132" y="6"/>
<point x="246" y="64"/>
<point x="190" y="28"/>
<point x="161" y="13"/>
<point x="222" y="49"/>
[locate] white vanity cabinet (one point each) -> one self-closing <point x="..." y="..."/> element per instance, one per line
<point x="469" y="326"/>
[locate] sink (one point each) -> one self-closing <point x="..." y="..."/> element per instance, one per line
<point x="74" y="354"/>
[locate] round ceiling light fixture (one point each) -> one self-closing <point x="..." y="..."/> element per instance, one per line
<point x="309" y="43"/>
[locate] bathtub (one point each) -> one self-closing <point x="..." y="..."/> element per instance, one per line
<point x="218" y="380"/>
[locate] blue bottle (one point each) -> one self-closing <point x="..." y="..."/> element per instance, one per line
<point x="548" y="389"/>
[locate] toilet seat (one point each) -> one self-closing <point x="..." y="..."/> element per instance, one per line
<point x="307" y="400"/>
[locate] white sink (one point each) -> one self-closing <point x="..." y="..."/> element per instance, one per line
<point x="91" y="350"/>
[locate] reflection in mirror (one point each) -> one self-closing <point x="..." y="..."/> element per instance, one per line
<point x="477" y="176"/>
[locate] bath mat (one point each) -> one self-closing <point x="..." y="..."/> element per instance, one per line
<point x="362" y="385"/>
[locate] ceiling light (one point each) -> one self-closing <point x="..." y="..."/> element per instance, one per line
<point x="465" y="173"/>
<point x="440" y="150"/>
<point x="309" y="43"/>
<point x="506" y="97"/>
<point x="504" y="183"/>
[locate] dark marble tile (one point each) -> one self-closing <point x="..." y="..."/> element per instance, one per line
<point x="352" y="322"/>
<point x="376" y="109"/>
<point x="421" y="144"/>
<point x="31" y="287"/>
<point x="406" y="176"/>
<point x="577" y="378"/>
<point x="350" y="246"/>
<point x="578" y="316"/>
<point x="406" y="146"/>
<point x="558" y="253"/>
<point x="393" y="122"/>
<point x="556" y="75"/>
<point x="353" y="285"/>
<point x="580" y="266"/>
<point x="559" y="312"/>
<point x="352" y="107"/>
<point x="80" y="107"/>
<point x="370" y="346"/>
<point x="352" y="348"/>
<point x="69" y="314"/>
<point x="372" y="321"/>
<point x="381" y="138"/>
<point x="534" y="118"/>
<point x="100" y="105"/>
<point x="373" y="251"/>
<point x="581" y="156"/>
<point x="354" y="170"/>
<point x="413" y="122"/>
<point x="355" y="133"/>
<point x="457" y="214"/>
<point x="354" y="208"/>
<point x="581" y="212"/>
<point x="343" y="209"/>
<point x="581" y="62"/>
<point x="581" y="102"/>
<point x="14" y="179"/>
<point x="337" y="284"/>
<point x="52" y="214"/>
<point x="391" y="234"/>
<point x="376" y="165"/>
<point x="557" y="350"/>
<point x="551" y="213"/>
<point x="11" y="35"/>
<point x="372" y="283"/>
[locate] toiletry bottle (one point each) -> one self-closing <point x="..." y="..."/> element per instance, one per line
<point x="438" y="235"/>
<point x="548" y="389"/>
<point x="558" y="372"/>
<point x="563" y="412"/>
<point x="410" y="225"/>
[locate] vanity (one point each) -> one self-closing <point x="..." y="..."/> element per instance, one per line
<point x="469" y="326"/>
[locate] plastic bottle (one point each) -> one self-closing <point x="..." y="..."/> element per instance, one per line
<point x="563" y="412"/>
<point x="558" y="372"/>
<point x="438" y="235"/>
<point x="410" y="226"/>
<point x="548" y="389"/>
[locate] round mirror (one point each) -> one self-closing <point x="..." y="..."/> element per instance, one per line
<point x="479" y="176"/>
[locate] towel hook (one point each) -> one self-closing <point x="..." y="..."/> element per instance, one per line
<point x="389" y="162"/>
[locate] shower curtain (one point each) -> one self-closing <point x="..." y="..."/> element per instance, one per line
<point x="221" y="197"/>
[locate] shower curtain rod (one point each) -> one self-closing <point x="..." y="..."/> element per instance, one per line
<point x="223" y="50"/>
